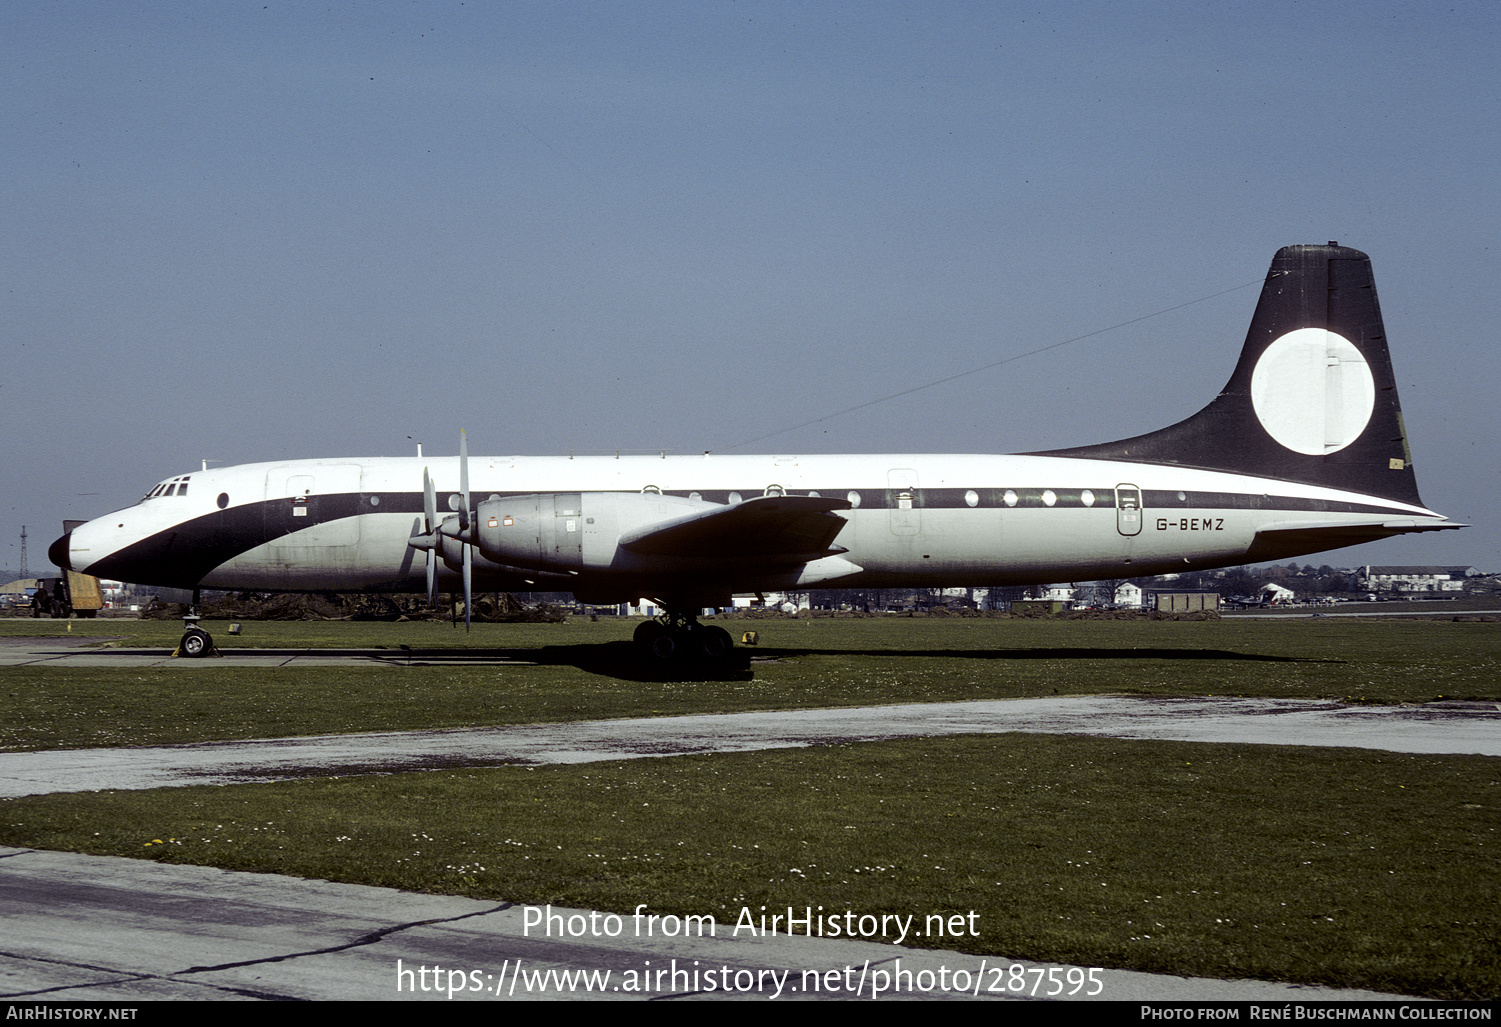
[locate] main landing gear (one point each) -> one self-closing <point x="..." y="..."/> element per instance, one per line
<point x="679" y="635"/>
<point x="195" y="641"/>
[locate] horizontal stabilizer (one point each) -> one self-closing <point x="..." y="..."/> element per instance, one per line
<point x="1295" y="539"/>
<point x="791" y="528"/>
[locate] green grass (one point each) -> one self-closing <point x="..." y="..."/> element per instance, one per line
<point x="1336" y="867"/>
<point x="586" y="670"/>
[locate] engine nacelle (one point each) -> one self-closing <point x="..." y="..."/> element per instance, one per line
<point x="571" y="531"/>
<point x="540" y="531"/>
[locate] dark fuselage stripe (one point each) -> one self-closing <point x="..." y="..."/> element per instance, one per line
<point x="944" y="499"/>
<point x="184" y="554"/>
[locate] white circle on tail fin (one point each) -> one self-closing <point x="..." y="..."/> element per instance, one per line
<point x="1313" y="391"/>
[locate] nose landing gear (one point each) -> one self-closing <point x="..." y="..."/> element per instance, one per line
<point x="195" y="643"/>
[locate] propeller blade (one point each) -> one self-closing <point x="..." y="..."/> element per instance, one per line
<point x="464" y="525"/>
<point x="464" y="481"/>
<point x="429" y="503"/>
<point x="430" y="520"/>
<point x="468" y="583"/>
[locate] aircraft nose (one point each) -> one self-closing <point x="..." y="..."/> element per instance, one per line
<point x="58" y="552"/>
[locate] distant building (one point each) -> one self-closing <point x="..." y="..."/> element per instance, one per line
<point x="1416" y="579"/>
<point x="1024" y="606"/>
<point x="1272" y="592"/>
<point x="1185" y="602"/>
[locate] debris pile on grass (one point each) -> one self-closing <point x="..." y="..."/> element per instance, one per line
<point x="259" y="606"/>
<point x="1018" y="612"/>
<point x="504" y="608"/>
<point x="312" y="606"/>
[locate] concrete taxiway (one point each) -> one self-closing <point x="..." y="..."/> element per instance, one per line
<point x="100" y="929"/>
<point x="1451" y="728"/>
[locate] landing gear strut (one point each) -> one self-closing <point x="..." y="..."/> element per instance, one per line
<point x="195" y="641"/>
<point x="677" y="634"/>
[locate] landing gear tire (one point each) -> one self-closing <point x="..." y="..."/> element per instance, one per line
<point x="656" y="639"/>
<point x="714" y="643"/>
<point x="648" y="632"/>
<point x="682" y="638"/>
<point x="195" y="643"/>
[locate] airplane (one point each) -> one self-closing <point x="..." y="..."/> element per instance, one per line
<point x="1304" y="450"/>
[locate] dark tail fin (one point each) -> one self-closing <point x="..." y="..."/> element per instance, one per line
<point x="1313" y="398"/>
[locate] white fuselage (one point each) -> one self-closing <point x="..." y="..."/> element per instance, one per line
<point x="915" y="520"/>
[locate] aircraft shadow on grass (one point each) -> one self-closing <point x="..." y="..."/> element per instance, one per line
<point x="625" y="660"/>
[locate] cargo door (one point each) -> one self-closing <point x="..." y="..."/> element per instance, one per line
<point x="312" y="506"/>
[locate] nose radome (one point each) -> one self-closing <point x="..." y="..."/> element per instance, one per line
<point x="58" y="552"/>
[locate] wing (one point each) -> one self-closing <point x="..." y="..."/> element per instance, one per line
<point x="782" y="529"/>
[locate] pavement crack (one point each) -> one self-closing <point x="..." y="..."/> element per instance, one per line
<point x="367" y="939"/>
<point x="114" y="978"/>
<point x="59" y="989"/>
<point x="120" y="976"/>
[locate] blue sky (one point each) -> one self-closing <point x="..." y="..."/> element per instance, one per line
<point x="262" y="231"/>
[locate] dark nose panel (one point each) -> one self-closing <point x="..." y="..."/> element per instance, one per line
<point x="58" y="552"/>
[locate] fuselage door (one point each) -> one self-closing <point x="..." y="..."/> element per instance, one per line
<point x="903" y="502"/>
<point x="1128" y="509"/>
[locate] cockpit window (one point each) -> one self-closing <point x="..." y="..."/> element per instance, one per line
<point x="176" y="486"/>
